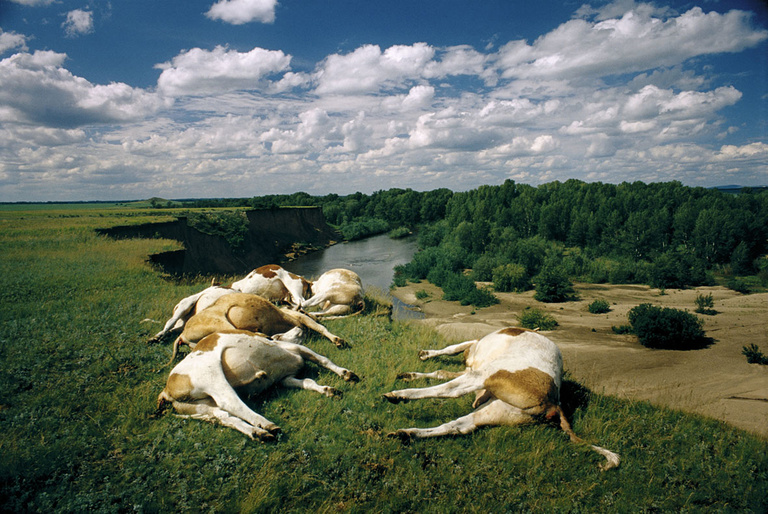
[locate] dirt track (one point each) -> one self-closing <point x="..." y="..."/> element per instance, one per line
<point x="716" y="381"/>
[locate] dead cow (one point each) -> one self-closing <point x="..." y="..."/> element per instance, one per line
<point x="190" y="306"/>
<point x="248" y="312"/>
<point x="338" y="292"/>
<point x="516" y="375"/>
<point x="273" y="283"/>
<point x="202" y="386"/>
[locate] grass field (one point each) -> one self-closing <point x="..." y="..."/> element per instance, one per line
<point x="78" y="384"/>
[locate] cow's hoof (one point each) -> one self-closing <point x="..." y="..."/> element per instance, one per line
<point x="404" y="436"/>
<point x="391" y="398"/>
<point x="350" y="376"/>
<point x="341" y="343"/>
<point x="405" y="376"/>
<point x="423" y="355"/>
<point x="332" y="392"/>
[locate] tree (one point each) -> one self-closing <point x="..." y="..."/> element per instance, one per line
<point x="553" y="285"/>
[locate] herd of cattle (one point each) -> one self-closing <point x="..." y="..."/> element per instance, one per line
<point x="242" y="341"/>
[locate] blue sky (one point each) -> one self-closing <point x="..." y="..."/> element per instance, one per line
<point x="132" y="99"/>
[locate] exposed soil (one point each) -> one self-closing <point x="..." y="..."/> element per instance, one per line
<point x="715" y="381"/>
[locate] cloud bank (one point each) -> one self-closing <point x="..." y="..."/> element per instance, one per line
<point x="612" y="94"/>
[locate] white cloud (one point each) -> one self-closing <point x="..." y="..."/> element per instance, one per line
<point x="238" y="12"/>
<point x="198" y="71"/>
<point x="33" y="3"/>
<point x="369" y="70"/>
<point x="35" y="88"/>
<point x="634" y="42"/>
<point x="11" y="41"/>
<point x="78" y="23"/>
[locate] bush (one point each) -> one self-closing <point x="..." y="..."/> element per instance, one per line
<point x="482" y="269"/>
<point x="738" y="285"/>
<point x="754" y="355"/>
<point x="533" y="319"/>
<point x="599" y="307"/>
<point x="622" y="329"/>
<point x="399" y="233"/>
<point x="462" y="289"/>
<point x="363" y="228"/>
<point x="553" y="285"/>
<point x="662" y="327"/>
<point x="510" y="277"/>
<point x="704" y="304"/>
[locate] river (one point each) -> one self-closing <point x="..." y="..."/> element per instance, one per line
<point x="374" y="259"/>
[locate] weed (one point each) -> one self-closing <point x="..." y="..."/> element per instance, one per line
<point x="534" y="318"/>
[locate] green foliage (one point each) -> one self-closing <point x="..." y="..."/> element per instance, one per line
<point x="663" y="327"/>
<point x="363" y="228"/>
<point x="231" y="225"/>
<point x="461" y="288"/>
<point x="421" y="294"/>
<point x="622" y="329"/>
<point x="705" y="304"/>
<point x="399" y="232"/>
<point x="739" y="285"/>
<point x="599" y="307"/>
<point x="511" y="277"/>
<point x="536" y="319"/>
<point x="754" y="355"/>
<point x="553" y="285"/>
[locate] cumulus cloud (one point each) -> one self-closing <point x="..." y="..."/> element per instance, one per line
<point x="368" y="69"/>
<point x="634" y="42"/>
<point x="36" y="88"/>
<point x="33" y="3"/>
<point x="11" y="41"/>
<point x="238" y="12"/>
<point x="78" y="23"/>
<point x="198" y="71"/>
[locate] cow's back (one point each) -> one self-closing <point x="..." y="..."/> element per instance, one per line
<point x="515" y="349"/>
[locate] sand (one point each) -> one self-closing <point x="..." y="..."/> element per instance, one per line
<point x="715" y="381"/>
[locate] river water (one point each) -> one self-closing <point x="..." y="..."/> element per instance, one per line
<point x="374" y="259"/>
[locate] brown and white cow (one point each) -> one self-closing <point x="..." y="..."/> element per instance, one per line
<point x="271" y="282"/>
<point x="248" y="312"/>
<point x="516" y="375"/>
<point x="203" y="385"/>
<point x="337" y="292"/>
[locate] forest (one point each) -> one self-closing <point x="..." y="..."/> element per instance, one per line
<point x="518" y="237"/>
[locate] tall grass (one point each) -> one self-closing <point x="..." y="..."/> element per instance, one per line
<point x="78" y="383"/>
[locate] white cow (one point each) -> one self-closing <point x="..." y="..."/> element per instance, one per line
<point x="202" y="386"/>
<point x="516" y="375"/>
<point x="271" y="282"/>
<point x="338" y="292"/>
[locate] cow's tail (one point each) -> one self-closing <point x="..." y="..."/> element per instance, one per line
<point x="163" y="401"/>
<point x="176" y="344"/>
<point x="612" y="459"/>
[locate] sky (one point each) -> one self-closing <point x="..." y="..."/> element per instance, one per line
<point x="133" y="99"/>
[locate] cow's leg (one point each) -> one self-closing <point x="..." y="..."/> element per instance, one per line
<point x="495" y="412"/>
<point x="321" y="360"/>
<point x="439" y="374"/>
<point x="302" y="319"/>
<point x="181" y="312"/>
<point x="448" y="350"/>
<point x="314" y="301"/>
<point x="466" y="383"/>
<point x="310" y="385"/>
<point x="333" y="310"/>
<point x="218" y="388"/>
<point x="208" y="411"/>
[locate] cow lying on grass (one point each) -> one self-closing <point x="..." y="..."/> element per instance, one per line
<point x="202" y="386"/>
<point x="516" y="375"/>
<point x="270" y="282"/>
<point x="247" y="312"/>
<point x="338" y="292"/>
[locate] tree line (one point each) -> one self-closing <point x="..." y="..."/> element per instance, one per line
<point x="662" y="234"/>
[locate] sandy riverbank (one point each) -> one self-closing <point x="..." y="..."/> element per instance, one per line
<point x="716" y="381"/>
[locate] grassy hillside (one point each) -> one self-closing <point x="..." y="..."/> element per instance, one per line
<point x="78" y="384"/>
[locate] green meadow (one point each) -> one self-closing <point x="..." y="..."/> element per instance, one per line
<point x="78" y="385"/>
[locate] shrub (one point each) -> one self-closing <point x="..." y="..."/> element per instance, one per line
<point x="738" y="285"/>
<point x="704" y="304"/>
<point x="461" y="288"/>
<point x="553" y="285"/>
<point x="421" y="294"/>
<point x="399" y="232"/>
<point x="482" y="269"/>
<point x="622" y="329"/>
<point x="662" y="327"/>
<point x="363" y="228"/>
<point x="533" y="319"/>
<point x="511" y="277"/>
<point x="754" y="355"/>
<point x="599" y="307"/>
